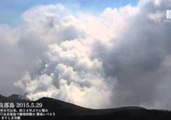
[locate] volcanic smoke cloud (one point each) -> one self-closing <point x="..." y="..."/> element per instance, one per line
<point x="119" y="57"/>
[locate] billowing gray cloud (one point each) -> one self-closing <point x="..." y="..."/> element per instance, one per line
<point x="119" y="57"/>
<point x="137" y="60"/>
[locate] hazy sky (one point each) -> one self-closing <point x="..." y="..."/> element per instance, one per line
<point x="98" y="54"/>
<point x="11" y="10"/>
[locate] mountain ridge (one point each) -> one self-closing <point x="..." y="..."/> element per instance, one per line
<point x="68" y="111"/>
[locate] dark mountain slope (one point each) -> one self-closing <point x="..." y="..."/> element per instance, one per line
<point x="67" y="111"/>
<point x="3" y="98"/>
